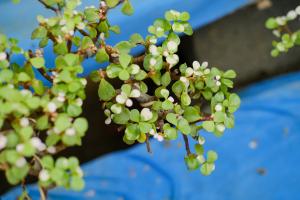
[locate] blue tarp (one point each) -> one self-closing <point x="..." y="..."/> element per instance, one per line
<point x="258" y="159"/>
<point x="19" y="20"/>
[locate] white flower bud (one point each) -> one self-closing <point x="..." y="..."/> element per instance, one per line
<point x="44" y="175"/>
<point x="25" y="92"/>
<point x="24" y="122"/>
<point x="276" y="33"/>
<point x="3" y="141"/>
<point x="37" y="143"/>
<point x="20" y="148"/>
<point x="280" y="20"/>
<point x="220" y="127"/>
<point x="70" y="132"/>
<point x="218" y="83"/>
<point x="129" y="103"/>
<point x="298" y="10"/>
<point x="71" y="32"/>
<point x="3" y="56"/>
<point x="218" y="77"/>
<point x="135" y="69"/>
<point x="152" y="132"/>
<point x="51" y="150"/>
<point x="292" y="15"/>
<point x="153" y="61"/>
<point x="218" y="107"/>
<point x="51" y="107"/>
<point x="189" y="71"/>
<point x="102" y="36"/>
<point x="146" y="114"/>
<point x="159" y="138"/>
<point x="83" y="81"/>
<point x="79" y="102"/>
<point x="172" y="46"/>
<point x="173" y="59"/>
<point x="204" y="64"/>
<point x="206" y="71"/>
<point x="62" y="22"/>
<point x="79" y="172"/>
<point x="107" y="121"/>
<point x="159" y="29"/>
<point x="185" y="81"/>
<point x="21" y="162"/>
<point x="153" y="50"/>
<point x="153" y="40"/>
<point x="121" y="98"/>
<point x="201" y="140"/>
<point x="171" y="99"/>
<point x="135" y="93"/>
<point x="166" y="53"/>
<point x="196" y="65"/>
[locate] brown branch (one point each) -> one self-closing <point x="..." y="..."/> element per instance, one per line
<point x="187" y="146"/>
<point x="45" y="75"/>
<point x="205" y="118"/>
<point x="148" y="143"/>
<point x="56" y="10"/>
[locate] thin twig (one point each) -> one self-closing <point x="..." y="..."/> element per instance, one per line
<point x="57" y="11"/>
<point x="187" y="146"/>
<point x="148" y="143"/>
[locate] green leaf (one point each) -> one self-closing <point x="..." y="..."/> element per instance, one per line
<point x="177" y="88"/>
<point x="145" y="127"/>
<point x="199" y="149"/>
<point x="80" y="125"/>
<point x="183" y="126"/>
<point x="132" y="132"/>
<point x="124" y="75"/>
<point x="124" y="59"/>
<point x="134" y="115"/>
<point x="212" y="156"/>
<point x="271" y="23"/>
<point x="42" y="123"/>
<point x="38" y="62"/>
<point x="112" y="3"/>
<point x="167" y="105"/>
<point x="77" y="183"/>
<point x="229" y="74"/>
<point x="209" y="126"/>
<point x="62" y="122"/>
<point x="102" y="56"/>
<point x="61" y="48"/>
<point x="136" y="39"/>
<point x="233" y="103"/>
<point x="207" y="168"/>
<point x="171" y="117"/>
<point x="219" y="116"/>
<point x="191" y="162"/>
<point x="170" y="132"/>
<point x="127" y="8"/>
<point x="39" y="33"/>
<point x="191" y="114"/>
<point x="87" y="42"/>
<point x="122" y="118"/>
<point x="106" y="91"/>
<point x="166" y="79"/>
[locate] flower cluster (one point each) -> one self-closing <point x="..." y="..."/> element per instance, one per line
<point x="280" y="28"/>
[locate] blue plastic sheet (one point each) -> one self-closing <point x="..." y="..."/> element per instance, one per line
<point x="19" y="20"/>
<point x="258" y="159"/>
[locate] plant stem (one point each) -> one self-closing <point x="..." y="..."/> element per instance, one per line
<point x="43" y="193"/>
<point x="148" y="143"/>
<point x="187" y="146"/>
<point x="56" y="10"/>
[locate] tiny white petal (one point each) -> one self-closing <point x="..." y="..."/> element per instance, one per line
<point x="153" y="40"/>
<point x="196" y="65"/>
<point x="51" y="149"/>
<point x="79" y="102"/>
<point x="164" y="92"/>
<point x="152" y="132"/>
<point x="117" y="109"/>
<point x="24" y="122"/>
<point x="204" y="64"/>
<point x="298" y="10"/>
<point x="153" y="61"/>
<point x="171" y="99"/>
<point x="218" y="77"/>
<point x="218" y="107"/>
<point x="166" y="53"/>
<point x="146" y="114"/>
<point x="160" y="138"/>
<point x="20" y="148"/>
<point x="129" y="103"/>
<point x="201" y="159"/>
<point x="21" y="162"/>
<point x="135" y="69"/>
<point x="121" y="98"/>
<point x="107" y="121"/>
<point x="44" y="175"/>
<point x="292" y="15"/>
<point x="51" y="107"/>
<point x="218" y="83"/>
<point x="172" y="46"/>
<point x="70" y="132"/>
<point x="189" y="71"/>
<point x="221" y="127"/>
<point x="3" y="141"/>
<point x="206" y="71"/>
<point x="153" y="50"/>
<point x="3" y="56"/>
<point x="201" y="140"/>
<point x="135" y="93"/>
<point x="159" y="29"/>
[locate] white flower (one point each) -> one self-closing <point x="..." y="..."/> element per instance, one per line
<point x="71" y="32"/>
<point x="107" y="121"/>
<point x="152" y="132"/>
<point x="173" y="59"/>
<point x="3" y="141"/>
<point x="153" y="61"/>
<point x="21" y="162"/>
<point x="121" y="98"/>
<point x="61" y="97"/>
<point x="135" y="93"/>
<point x="171" y="99"/>
<point x="220" y="127"/>
<point x="116" y="108"/>
<point x="201" y="140"/>
<point x="70" y="132"/>
<point x="166" y="53"/>
<point x="276" y="33"/>
<point x="196" y="65"/>
<point x="172" y="46"/>
<point x="292" y="15"/>
<point x="218" y="107"/>
<point x="135" y="69"/>
<point x="146" y="114"/>
<point x="102" y="36"/>
<point x="218" y="83"/>
<point x="44" y="175"/>
<point x="24" y="122"/>
<point x="62" y="22"/>
<point x="51" y="150"/>
<point x="37" y="143"/>
<point x="83" y="81"/>
<point x="79" y="102"/>
<point x="206" y="71"/>
<point x="3" y="56"/>
<point x="159" y="137"/>
<point x="103" y="3"/>
<point x="280" y="20"/>
<point x="51" y="107"/>
<point x="20" y="148"/>
<point x="25" y="92"/>
<point x="79" y="172"/>
<point x="189" y="72"/>
<point x="153" y="50"/>
<point x="298" y="10"/>
<point x="129" y="103"/>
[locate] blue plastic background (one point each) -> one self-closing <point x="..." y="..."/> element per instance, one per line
<point x="269" y="114"/>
